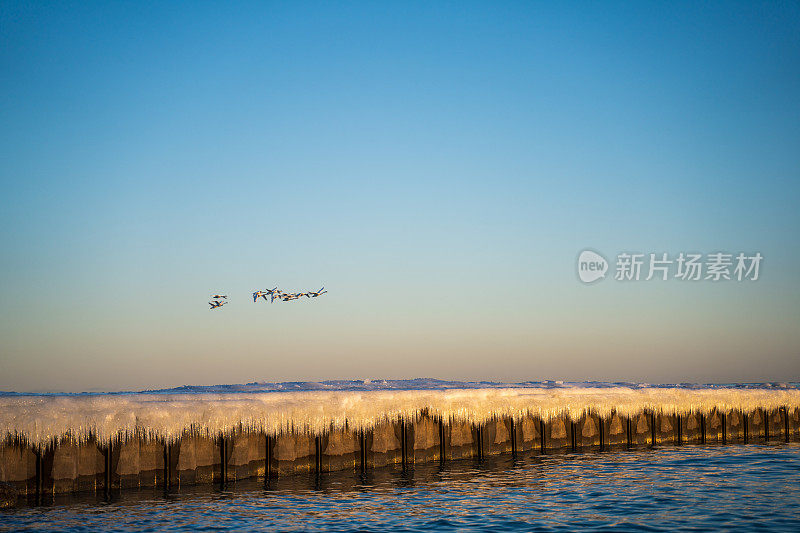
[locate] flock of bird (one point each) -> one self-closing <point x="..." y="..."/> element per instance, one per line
<point x="218" y="300"/>
<point x="277" y="294"/>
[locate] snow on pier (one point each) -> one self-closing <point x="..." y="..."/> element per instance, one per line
<point x="165" y="415"/>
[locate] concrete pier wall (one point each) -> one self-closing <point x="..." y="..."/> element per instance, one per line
<point x="137" y="463"/>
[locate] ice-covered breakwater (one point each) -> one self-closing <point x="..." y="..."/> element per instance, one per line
<point x="193" y="434"/>
<point x="42" y="419"/>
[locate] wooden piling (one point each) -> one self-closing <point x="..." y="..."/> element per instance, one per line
<point x="653" y="437"/>
<point x="479" y="435"/>
<point x="628" y="432"/>
<point x="107" y="477"/>
<point x="702" y="428"/>
<point x="573" y="438"/>
<point x="167" y="466"/>
<point x="403" y="445"/>
<point x="601" y="427"/>
<point x="223" y="463"/>
<point x="745" y="428"/>
<point x="268" y="457"/>
<point x="317" y="455"/>
<point x="513" y="438"/>
<point x="362" y="444"/>
<point x="785" y="424"/>
<point x="542" y="437"/>
<point x="442" y="457"/>
<point x="39" y="471"/>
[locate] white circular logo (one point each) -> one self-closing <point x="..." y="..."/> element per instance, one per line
<point x="591" y="266"/>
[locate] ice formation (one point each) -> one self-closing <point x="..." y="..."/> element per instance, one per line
<point x="39" y="419"/>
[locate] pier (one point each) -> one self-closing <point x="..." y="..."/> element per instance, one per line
<point x="289" y="440"/>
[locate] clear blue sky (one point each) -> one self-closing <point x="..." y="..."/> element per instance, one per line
<point x="437" y="166"/>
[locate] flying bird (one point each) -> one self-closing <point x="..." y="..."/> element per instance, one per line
<point x="217" y="303"/>
<point x="315" y="294"/>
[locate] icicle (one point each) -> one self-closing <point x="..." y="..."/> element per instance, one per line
<point x="40" y="420"/>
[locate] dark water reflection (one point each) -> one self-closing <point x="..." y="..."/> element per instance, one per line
<point x="688" y="488"/>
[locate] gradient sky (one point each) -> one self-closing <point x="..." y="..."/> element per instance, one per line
<point x="437" y="166"/>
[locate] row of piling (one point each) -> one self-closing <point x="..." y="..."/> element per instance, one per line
<point x="480" y="447"/>
<point x="405" y="460"/>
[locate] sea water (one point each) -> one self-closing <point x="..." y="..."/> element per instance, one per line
<point x="688" y="488"/>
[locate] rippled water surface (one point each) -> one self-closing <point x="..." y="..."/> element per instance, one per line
<point x="687" y="488"/>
